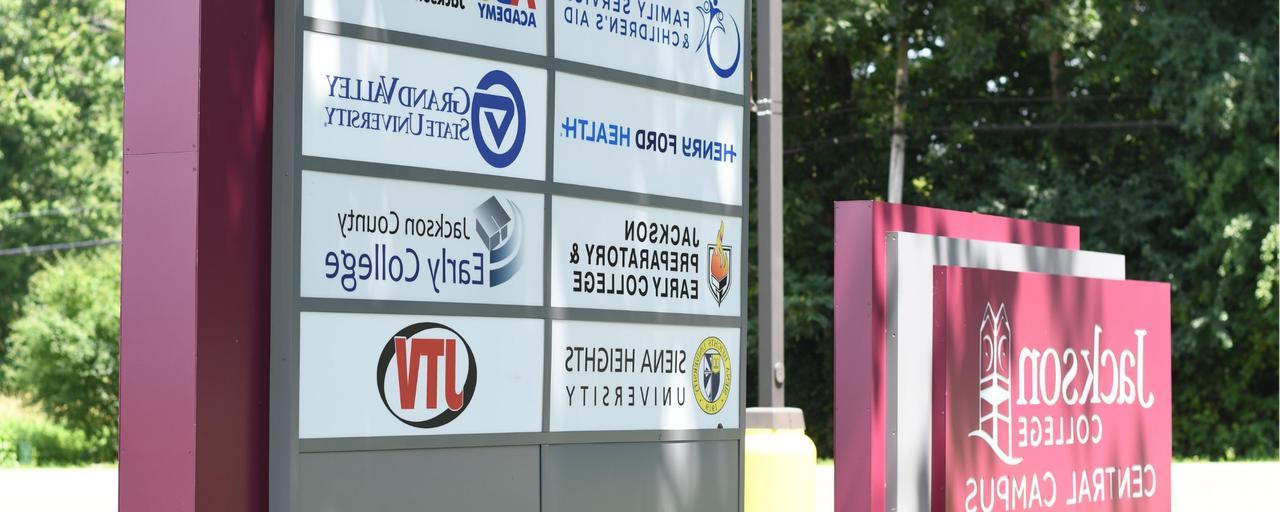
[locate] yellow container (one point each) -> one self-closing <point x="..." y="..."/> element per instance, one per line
<point x="781" y="461"/>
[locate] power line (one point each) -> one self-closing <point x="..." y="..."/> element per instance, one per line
<point x="57" y="211"/>
<point x="991" y="128"/>
<point x="36" y="249"/>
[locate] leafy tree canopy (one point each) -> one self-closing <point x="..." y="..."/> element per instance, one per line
<point x="1150" y="124"/>
<point x="61" y="96"/>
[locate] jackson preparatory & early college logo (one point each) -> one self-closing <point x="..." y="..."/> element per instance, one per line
<point x="444" y="351"/>
<point x="718" y="270"/>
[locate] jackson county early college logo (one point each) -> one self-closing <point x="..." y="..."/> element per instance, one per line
<point x="444" y="350"/>
<point x="497" y="101"/>
<point x="718" y="258"/>
<point x="715" y="44"/>
<point x="501" y="228"/>
<point x="712" y="375"/>
<point x="995" y="391"/>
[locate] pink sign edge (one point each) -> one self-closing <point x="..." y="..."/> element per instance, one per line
<point x="859" y="408"/>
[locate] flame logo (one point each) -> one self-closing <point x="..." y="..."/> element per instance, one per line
<point x="719" y="259"/>
<point x="718" y="267"/>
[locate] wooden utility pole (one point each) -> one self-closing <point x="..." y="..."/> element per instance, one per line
<point x="898" y="149"/>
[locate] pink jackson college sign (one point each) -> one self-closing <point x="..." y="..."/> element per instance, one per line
<point x="1053" y="392"/>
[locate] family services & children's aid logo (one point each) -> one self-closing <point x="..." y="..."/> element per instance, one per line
<point x="715" y="39"/>
<point x="492" y="115"/>
<point x="445" y="388"/>
<point x="712" y="375"/>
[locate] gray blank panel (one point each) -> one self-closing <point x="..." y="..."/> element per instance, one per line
<point x="641" y="477"/>
<point x="503" y="478"/>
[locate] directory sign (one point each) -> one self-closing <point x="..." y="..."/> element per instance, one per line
<point x="504" y="230"/>
<point x="909" y="263"/>
<point x="1054" y="392"/>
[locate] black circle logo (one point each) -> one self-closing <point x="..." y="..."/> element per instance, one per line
<point x="439" y="347"/>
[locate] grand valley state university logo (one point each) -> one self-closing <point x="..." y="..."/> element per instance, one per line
<point x="498" y="106"/>
<point x="492" y="115"/>
<point x="445" y="388"/>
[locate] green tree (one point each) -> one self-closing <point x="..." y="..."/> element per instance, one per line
<point x="65" y="346"/>
<point x="61" y="97"/>
<point x="1150" y="124"/>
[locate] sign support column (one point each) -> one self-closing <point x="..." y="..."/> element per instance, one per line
<point x="769" y="197"/>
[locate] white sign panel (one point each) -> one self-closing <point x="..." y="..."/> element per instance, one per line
<point x="626" y="138"/>
<point x="607" y="376"/>
<point x="698" y="42"/>
<point x="518" y="25"/>
<point x="391" y="104"/>
<point x="386" y="375"/>
<point x="909" y="266"/>
<point x="616" y="256"/>
<point x="374" y="238"/>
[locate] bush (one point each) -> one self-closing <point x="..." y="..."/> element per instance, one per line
<point x="65" y="346"/>
<point x="40" y="442"/>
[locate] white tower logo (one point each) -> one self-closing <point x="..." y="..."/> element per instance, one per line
<point x="995" y="406"/>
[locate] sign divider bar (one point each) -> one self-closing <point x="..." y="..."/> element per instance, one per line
<point x="439" y="176"/>
<point x="349" y="444"/>
<point x="400" y="307"/>
<point x="548" y="204"/>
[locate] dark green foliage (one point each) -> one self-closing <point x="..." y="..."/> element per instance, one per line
<point x="1159" y="140"/>
<point x="65" y="347"/>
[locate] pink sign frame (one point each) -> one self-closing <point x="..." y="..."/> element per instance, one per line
<point x="1053" y="392"/>
<point x="859" y="297"/>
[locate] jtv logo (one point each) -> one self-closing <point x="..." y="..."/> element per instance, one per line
<point x="436" y="396"/>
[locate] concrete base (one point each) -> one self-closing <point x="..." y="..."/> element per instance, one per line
<point x="775" y="418"/>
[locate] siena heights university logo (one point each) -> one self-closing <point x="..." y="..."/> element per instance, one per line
<point x="995" y="392"/>
<point x="712" y="374"/>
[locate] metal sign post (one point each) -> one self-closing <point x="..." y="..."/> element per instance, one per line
<point x="772" y="376"/>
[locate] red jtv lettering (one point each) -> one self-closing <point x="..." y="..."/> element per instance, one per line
<point x="409" y="354"/>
